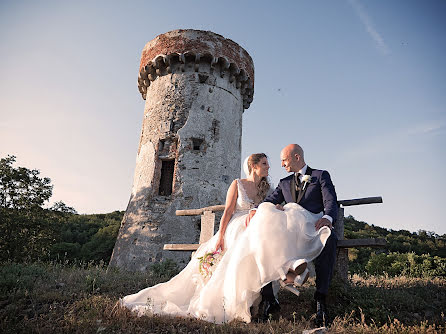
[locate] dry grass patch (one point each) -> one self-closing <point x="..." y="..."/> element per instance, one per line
<point x="44" y="298"/>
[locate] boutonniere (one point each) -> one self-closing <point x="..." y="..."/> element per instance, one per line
<point x="306" y="179"/>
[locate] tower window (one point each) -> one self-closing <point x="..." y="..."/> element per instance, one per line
<point x="166" y="181"/>
<point x="196" y="143"/>
<point x="161" y="144"/>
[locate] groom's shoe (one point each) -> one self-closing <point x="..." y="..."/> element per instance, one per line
<point x="321" y="314"/>
<point x="268" y="309"/>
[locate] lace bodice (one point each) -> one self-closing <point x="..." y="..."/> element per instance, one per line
<point x="244" y="203"/>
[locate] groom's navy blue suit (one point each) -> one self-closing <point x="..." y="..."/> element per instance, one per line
<point x="318" y="195"/>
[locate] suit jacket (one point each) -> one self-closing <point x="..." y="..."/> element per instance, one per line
<point x="319" y="194"/>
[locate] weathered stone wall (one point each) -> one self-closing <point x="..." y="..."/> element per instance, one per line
<point x="192" y="116"/>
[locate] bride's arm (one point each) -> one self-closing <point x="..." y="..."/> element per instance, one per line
<point x="231" y="200"/>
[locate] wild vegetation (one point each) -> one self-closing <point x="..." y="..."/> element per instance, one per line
<point x="63" y="298"/>
<point x="53" y="275"/>
<point x="31" y="232"/>
<point x="414" y="254"/>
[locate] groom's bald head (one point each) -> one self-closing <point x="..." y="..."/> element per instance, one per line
<point x="294" y="149"/>
<point x="292" y="157"/>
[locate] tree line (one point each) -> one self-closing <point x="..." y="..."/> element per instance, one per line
<point x="415" y="254"/>
<point x="31" y="232"/>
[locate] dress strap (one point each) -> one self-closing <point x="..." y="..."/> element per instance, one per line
<point x="240" y="188"/>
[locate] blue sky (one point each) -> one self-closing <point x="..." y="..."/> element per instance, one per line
<point x="361" y="85"/>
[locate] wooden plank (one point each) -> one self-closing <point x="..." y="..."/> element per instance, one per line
<point x="339" y="224"/>
<point x="207" y="226"/>
<point x="214" y="208"/>
<point x="181" y="247"/>
<point x="360" y="201"/>
<point x="197" y="212"/>
<point x="352" y="243"/>
<point x="346" y="243"/>
<point x="341" y="265"/>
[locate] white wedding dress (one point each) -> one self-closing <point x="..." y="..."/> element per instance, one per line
<point x="263" y="252"/>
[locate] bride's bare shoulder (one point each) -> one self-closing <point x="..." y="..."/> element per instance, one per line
<point x="244" y="182"/>
<point x="234" y="183"/>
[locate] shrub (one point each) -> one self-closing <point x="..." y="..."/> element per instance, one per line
<point x="165" y="269"/>
<point x="408" y="264"/>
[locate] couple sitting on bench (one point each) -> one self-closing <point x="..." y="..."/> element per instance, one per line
<point x="259" y="241"/>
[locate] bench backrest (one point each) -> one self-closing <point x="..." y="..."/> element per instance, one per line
<point x="208" y="216"/>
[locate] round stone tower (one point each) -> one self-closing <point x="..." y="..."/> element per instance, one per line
<point x="196" y="85"/>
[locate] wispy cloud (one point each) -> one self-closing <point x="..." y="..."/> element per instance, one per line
<point x="409" y="139"/>
<point x="368" y="24"/>
<point x="429" y="127"/>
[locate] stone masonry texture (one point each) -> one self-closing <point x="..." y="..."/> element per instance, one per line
<point x="196" y="85"/>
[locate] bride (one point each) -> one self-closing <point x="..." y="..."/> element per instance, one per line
<point x="226" y="274"/>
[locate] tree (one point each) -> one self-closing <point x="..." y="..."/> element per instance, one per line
<point x="62" y="207"/>
<point x="27" y="228"/>
<point x="31" y="232"/>
<point x="22" y="188"/>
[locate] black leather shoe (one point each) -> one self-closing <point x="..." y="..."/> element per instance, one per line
<point x="267" y="309"/>
<point x="321" y="314"/>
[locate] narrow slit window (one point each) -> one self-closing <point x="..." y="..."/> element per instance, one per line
<point x="166" y="181"/>
<point x="161" y="144"/>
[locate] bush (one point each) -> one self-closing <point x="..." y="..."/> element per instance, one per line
<point x="408" y="264"/>
<point x="165" y="269"/>
<point x="41" y="234"/>
<point x="16" y="276"/>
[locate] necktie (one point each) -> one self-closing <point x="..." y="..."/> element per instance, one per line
<point x="297" y="181"/>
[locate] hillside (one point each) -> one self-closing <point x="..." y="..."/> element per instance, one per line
<point x="49" y="235"/>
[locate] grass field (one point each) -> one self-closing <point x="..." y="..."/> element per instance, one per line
<point x="55" y="298"/>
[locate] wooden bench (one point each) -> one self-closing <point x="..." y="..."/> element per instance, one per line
<point x="208" y="222"/>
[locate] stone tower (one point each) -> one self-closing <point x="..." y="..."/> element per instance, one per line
<point x="196" y="85"/>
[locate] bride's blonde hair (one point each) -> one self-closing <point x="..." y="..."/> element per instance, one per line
<point x="263" y="186"/>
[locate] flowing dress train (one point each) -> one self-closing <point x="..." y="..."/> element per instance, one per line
<point x="274" y="242"/>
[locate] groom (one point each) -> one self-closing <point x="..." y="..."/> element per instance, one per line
<point x="315" y="193"/>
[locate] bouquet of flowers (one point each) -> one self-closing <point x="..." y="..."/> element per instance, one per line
<point x="208" y="262"/>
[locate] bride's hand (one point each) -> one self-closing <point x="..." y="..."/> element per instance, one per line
<point x="249" y="217"/>
<point x="220" y="244"/>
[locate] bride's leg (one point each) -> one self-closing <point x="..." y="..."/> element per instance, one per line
<point x="290" y="276"/>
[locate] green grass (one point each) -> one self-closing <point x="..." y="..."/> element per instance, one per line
<point x="53" y="298"/>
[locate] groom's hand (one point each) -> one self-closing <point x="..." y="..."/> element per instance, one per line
<point x="279" y="207"/>
<point x="322" y="222"/>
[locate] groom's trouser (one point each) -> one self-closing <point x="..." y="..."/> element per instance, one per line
<point x="324" y="265"/>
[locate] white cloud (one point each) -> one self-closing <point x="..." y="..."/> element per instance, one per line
<point x="368" y="24"/>
<point x="398" y="140"/>
<point x="430" y="127"/>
